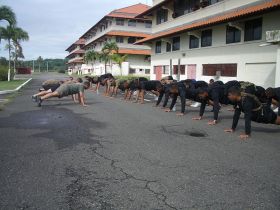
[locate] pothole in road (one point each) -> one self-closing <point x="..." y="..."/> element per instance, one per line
<point x="178" y="130"/>
<point x="197" y="134"/>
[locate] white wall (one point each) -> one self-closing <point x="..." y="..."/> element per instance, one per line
<point x="211" y="10"/>
<point x="243" y="53"/>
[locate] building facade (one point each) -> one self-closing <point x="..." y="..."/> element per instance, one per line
<point x="121" y="26"/>
<point x="76" y="57"/>
<point x="215" y="39"/>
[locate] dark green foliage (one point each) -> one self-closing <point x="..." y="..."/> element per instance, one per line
<point x="3" y="73"/>
<point x="54" y="65"/>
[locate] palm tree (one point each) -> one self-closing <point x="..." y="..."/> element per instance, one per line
<point x="119" y="59"/>
<point x="40" y="61"/>
<point x="15" y="35"/>
<point x="19" y="36"/>
<point x="6" y="13"/>
<point x="107" y="51"/>
<point x="91" y="56"/>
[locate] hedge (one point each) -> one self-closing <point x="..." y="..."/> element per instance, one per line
<point x="3" y="73"/>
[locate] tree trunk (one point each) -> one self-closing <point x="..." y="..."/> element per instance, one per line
<point x="9" y="70"/>
<point x="105" y="68"/>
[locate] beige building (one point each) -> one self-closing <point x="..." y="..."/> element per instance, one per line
<point x="219" y="39"/>
<point x="76" y="57"/>
<point x="122" y="27"/>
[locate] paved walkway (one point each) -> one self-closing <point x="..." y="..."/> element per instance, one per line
<point x="119" y="155"/>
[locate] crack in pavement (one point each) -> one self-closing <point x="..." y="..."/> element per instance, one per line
<point x="160" y="196"/>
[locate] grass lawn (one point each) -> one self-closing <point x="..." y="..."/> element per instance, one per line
<point x="5" y="85"/>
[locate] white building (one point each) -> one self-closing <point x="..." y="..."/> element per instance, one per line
<point x="76" y="57"/>
<point x="219" y="39"/>
<point x="122" y="27"/>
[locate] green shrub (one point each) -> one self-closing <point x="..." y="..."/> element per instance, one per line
<point x="3" y="73"/>
<point x="130" y="77"/>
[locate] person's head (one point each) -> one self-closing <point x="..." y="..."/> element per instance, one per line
<point x="80" y="80"/>
<point x="269" y="92"/>
<point x="203" y="93"/>
<point x="234" y="94"/>
<point x="71" y="78"/>
<point x="86" y="84"/>
<point x="211" y="81"/>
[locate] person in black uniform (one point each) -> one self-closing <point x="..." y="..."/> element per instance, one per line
<point x="153" y="86"/>
<point x="186" y="89"/>
<point x="253" y="110"/>
<point x="133" y="86"/>
<point x="273" y="96"/>
<point x="102" y="80"/>
<point x="215" y="95"/>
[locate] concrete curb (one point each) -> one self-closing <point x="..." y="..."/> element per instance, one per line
<point x="15" y="90"/>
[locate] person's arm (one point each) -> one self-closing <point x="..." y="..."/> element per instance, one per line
<point x="160" y="98"/>
<point x="183" y="101"/>
<point x="216" y="106"/>
<point x="166" y="98"/>
<point x="248" y="107"/>
<point x="174" y="99"/>
<point x="235" y="118"/>
<point x="82" y="99"/>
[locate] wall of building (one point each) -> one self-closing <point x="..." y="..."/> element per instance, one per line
<point x="247" y="55"/>
<point x="220" y="7"/>
<point x="140" y="27"/>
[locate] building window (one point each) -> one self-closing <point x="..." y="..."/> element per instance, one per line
<point x="120" y="22"/>
<point x="119" y="39"/>
<point x="253" y="30"/>
<point x="131" y="40"/>
<point x="165" y="69"/>
<point x="168" y="47"/>
<point x="176" y="43"/>
<point x="182" y="7"/>
<point x="132" y="71"/>
<point x="206" y="38"/>
<point x="162" y="15"/>
<point x="132" y="23"/>
<point x="147" y="71"/>
<point x="148" y="24"/>
<point x="233" y="35"/>
<point x="182" y="69"/>
<point x="158" y="47"/>
<point x="194" y="42"/>
<point x="225" y="70"/>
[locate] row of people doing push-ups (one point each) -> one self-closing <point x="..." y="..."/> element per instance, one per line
<point x="254" y="101"/>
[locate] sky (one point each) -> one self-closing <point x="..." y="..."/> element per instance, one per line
<point x="53" y="25"/>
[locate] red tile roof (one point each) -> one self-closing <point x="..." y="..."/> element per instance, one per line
<point x="127" y="33"/>
<point x="121" y="33"/>
<point x="78" y="42"/>
<point x="79" y="60"/>
<point x="151" y="9"/>
<point x="76" y="52"/>
<point x="129" y="12"/>
<point x="134" y="51"/>
<point x="233" y="15"/>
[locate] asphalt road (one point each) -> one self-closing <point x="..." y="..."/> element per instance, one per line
<point x="119" y="155"/>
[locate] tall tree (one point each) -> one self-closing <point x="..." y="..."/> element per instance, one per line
<point x="7" y="14"/>
<point x="13" y="35"/>
<point x="91" y="56"/>
<point x="107" y="51"/>
<point x="40" y="61"/>
<point x="119" y="59"/>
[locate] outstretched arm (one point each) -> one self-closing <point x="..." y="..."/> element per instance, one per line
<point x="82" y="99"/>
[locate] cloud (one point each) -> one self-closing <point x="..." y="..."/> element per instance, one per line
<point x="53" y="25"/>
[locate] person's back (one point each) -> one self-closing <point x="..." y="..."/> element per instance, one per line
<point x="70" y="89"/>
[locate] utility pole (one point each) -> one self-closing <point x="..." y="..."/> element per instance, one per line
<point x="33" y="67"/>
<point x="47" y="66"/>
